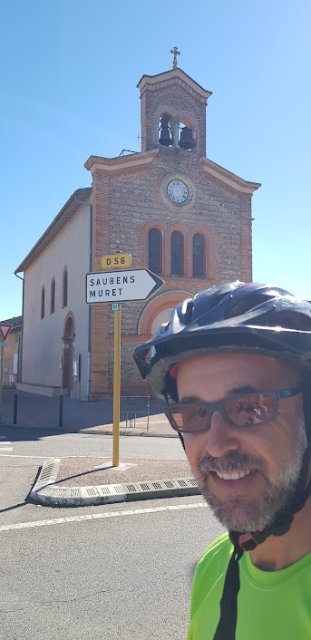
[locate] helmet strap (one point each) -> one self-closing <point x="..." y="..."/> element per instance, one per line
<point x="229" y="599"/>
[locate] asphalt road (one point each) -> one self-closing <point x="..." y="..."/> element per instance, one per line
<point x="126" y="574"/>
<point x="35" y="442"/>
<point x="113" y="572"/>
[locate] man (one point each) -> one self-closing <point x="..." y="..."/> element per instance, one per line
<point x="234" y="366"/>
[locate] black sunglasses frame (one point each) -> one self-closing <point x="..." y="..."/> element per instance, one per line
<point x="219" y="406"/>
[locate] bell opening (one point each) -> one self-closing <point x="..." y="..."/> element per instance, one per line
<point x="186" y="140"/>
<point x="166" y="138"/>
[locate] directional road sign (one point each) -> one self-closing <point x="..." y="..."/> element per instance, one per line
<point x="4" y="330"/>
<point x="121" y="286"/>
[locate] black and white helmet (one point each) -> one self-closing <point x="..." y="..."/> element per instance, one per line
<point x="237" y="316"/>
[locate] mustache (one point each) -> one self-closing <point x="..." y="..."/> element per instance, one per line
<point x="231" y="462"/>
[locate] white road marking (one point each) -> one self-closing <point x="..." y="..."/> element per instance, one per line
<point x="7" y="455"/>
<point x="3" y="444"/>
<point x="62" y="457"/>
<point x="100" y="516"/>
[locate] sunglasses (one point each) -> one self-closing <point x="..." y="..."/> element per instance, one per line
<point x="238" y="410"/>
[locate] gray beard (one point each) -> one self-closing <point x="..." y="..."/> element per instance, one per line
<point x="237" y="514"/>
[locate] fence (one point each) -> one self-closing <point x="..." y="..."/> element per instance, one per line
<point x="130" y="416"/>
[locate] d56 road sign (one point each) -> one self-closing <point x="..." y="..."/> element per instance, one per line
<point x="121" y="260"/>
<point x="121" y="286"/>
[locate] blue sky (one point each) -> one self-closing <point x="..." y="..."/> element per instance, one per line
<point x="69" y="70"/>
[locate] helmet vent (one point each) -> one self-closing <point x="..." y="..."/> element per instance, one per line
<point x="248" y="303"/>
<point x="186" y="310"/>
<point x="289" y="319"/>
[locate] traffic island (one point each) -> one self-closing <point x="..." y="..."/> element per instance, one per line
<point x="73" y="482"/>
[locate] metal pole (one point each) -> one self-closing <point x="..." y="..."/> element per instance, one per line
<point x="116" y="385"/>
<point x="60" y="415"/>
<point x="1" y="373"/>
<point x="148" y="415"/>
<point x="15" y="409"/>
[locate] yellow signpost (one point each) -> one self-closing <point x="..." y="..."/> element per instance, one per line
<point x="116" y="386"/>
<point x="122" y="285"/>
<point x="116" y="261"/>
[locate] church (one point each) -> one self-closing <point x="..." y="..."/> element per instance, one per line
<point x="172" y="209"/>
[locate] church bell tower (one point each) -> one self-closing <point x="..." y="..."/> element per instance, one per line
<point x="173" y="112"/>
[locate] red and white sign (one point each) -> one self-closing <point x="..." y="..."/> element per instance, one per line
<point x="4" y="331"/>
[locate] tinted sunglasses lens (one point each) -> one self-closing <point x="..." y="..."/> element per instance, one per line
<point x="188" y="418"/>
<point x="250" y="409"/>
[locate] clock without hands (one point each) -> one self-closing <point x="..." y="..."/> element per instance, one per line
<point x="177" y="191"/>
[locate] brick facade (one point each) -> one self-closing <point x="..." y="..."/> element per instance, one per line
<point x="130" y="198"/>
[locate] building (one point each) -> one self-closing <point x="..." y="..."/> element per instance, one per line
<point x="171" y="208"/>
<point x="10" y="352"/>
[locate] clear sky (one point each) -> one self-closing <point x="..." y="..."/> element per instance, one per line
<point x="69" y="70"/>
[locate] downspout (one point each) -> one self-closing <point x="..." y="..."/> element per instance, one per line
<point x="20" y="346"/>
<point x="89" y="368"/>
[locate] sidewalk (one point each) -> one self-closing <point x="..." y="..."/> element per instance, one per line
<point x="90" y="481"/>
<point x="67" y="415"/>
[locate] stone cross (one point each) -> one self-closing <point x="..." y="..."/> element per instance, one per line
<point x="175" y="53"/>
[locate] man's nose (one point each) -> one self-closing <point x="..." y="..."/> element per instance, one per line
<point x="221" y="437"/>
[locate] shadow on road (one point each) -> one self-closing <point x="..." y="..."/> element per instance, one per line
<point x="38" y="416"/>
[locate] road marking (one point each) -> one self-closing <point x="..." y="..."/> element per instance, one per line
<point x="3" y="444"/>
<point x="100" y="516"/>
<point x="62" y="457"/>
<point x="7" y="455"/>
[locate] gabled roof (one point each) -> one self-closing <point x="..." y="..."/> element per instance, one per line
<point x="56" y="225"/>
<point x="16" y="323"/>
<point x="174" y="73"/>
<point x="228" y="178"/>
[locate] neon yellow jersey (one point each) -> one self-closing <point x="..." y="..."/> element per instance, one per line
<point x="272" y="605"/>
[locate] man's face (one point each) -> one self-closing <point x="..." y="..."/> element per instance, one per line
<point x="246" y="474"/>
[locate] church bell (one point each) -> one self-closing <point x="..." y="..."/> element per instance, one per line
<point x="166" y="137"/>
<point x="186" y="140"/>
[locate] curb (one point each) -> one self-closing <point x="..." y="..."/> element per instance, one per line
<point x="61" y="430"/>
<point x="47" y="493"/>
<point x="126" y="432"/>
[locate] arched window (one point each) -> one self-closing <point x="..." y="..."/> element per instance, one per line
<point x="177" y="253"/>
<point x="155" y="250"/>
<point x="42" y="302"/>
<point x="198" y="256"/>
<point x="65" y="287"/>
<point x="52" y="307"/>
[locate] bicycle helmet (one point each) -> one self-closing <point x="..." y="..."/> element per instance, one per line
<point x="250" y="317"/>
<point x="235" y="317"/>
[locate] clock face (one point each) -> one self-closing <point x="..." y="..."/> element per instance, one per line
<point x="177" y="191"/>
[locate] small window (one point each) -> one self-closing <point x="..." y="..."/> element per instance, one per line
<point x="42" y="302"/>
<point x="177" y="253"/>
<point x="52" y="307"/>
<point x="155" y="250"/>
<point x="65" y="287"/>
<point x="198" y="256"/>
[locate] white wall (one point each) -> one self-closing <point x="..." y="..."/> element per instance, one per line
<point x="42" y="341"/>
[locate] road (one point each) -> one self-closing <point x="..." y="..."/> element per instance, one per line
<point x="110" y="572"/>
